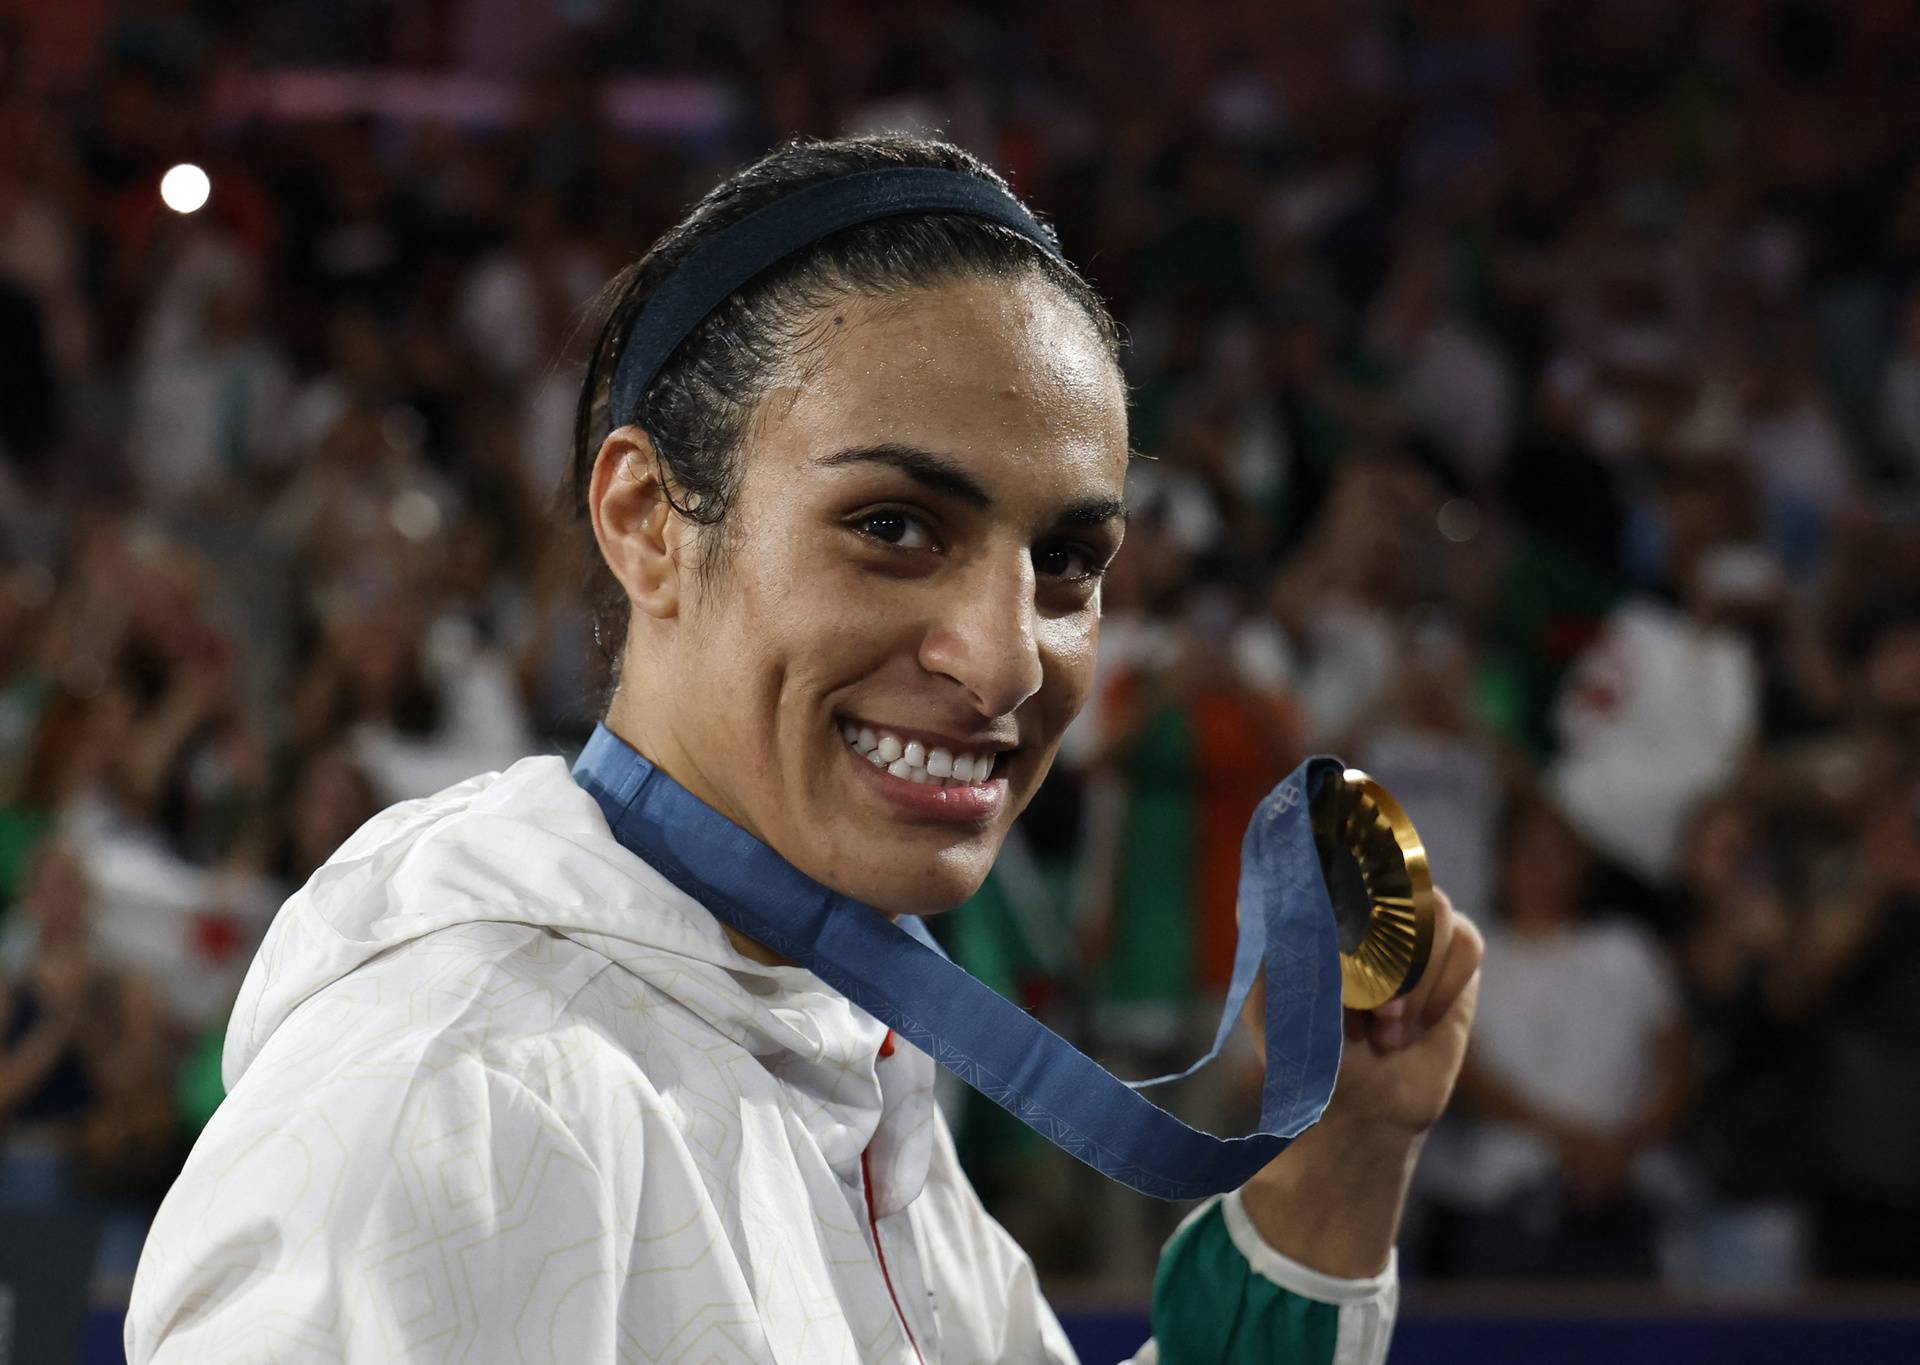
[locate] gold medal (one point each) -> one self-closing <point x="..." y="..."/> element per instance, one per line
<point x="1376" y="873"/>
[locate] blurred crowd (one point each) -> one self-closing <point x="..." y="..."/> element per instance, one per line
<point x="1528" y="406"/>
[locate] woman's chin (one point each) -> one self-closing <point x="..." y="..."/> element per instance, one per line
<point x="929" y="888"/>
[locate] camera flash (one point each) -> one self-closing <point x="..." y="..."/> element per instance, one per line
<point x="185" y="188"/>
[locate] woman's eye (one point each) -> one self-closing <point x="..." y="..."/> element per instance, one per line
<point x="900" y="529"/>
<point x="1067" y="561"/>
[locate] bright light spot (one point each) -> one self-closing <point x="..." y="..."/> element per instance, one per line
<point x="415" y="515"/>
<point x="185" y="188"/>
<point x="1459" y="520"/>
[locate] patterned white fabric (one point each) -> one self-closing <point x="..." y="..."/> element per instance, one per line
<point x="499" y="1092"/>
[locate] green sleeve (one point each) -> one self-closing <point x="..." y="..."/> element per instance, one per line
<point x="1221" y="1297"/>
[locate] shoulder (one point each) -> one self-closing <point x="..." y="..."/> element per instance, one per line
<point x="474" y="985"/>
<point x="406" y="1197"/>
<point x="478" y="1046"/>
<point x="1622" y="944"/>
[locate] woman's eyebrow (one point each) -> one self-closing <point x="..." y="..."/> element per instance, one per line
<point x="943" y="474"/>
<point x="936" y="472"/>
<point x="1094" y="512"/>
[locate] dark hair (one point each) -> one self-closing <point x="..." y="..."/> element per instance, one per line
<point x="697" y="407"/>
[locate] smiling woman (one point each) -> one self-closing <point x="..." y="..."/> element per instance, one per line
<point x="913" y="546"/>
<point x="876" y="486"/>
<point x="509" y="1079"/>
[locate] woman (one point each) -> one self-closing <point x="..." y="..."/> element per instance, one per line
<point x="502" y="1091"/>
<point x="1580" y="1072"/>
<point x="86" y="1118"/>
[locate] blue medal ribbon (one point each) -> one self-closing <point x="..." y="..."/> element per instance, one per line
<point x="892" y="970"/>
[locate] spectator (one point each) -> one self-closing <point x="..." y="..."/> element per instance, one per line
<point x="1740" y="938"/>
<point x="209" y="386"/>
<point x="422" y="701"/>
<point x="85" y="1110"/>
<point x="1339" y="597"/>
<point x="331" y="797"/>
<point x="1859" y="968"/>
<point x="1660" y="712"/>
<point x="1578" y="1074"/>
<point x="1802" y="466"/>
<point x="1199" y="740"/>
<point x="1454" y="383"/>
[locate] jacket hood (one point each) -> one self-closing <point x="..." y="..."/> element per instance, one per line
<point x="529" y="847"/>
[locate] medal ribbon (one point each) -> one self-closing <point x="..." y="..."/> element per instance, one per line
<point x="892" y="970"/>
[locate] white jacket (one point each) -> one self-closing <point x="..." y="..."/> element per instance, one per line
<point x="499" y="1092"/>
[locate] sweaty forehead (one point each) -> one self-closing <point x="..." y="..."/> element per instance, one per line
<point x="988" y="371"/>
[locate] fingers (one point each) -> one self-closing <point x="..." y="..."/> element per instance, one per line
<point x="1389" y="1033"/>
<point x="1412" y="1006"/>
<point x="1451" y="966"/>
<point x="1465" y="948"/>
<point x="1457" y="950"/>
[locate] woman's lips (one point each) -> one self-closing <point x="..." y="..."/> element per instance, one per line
<point x="974" y="803"/>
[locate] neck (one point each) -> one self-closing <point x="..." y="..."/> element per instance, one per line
<point x="1532" y="927"/>
<point x="626" y="719"/>
<point x="645" y="724"/>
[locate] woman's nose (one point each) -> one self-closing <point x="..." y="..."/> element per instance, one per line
<point x="985" y="637"/>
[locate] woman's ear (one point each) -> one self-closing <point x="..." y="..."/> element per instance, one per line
<point x="634" y="522"/>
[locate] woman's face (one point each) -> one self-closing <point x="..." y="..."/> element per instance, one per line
<point x="910" y="568"/>
<point x="1545" y="869"/>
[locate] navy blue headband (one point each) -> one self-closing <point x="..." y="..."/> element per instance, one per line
<point x="734" y="255"/>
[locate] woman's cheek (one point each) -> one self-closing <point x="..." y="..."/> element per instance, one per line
<point x="1068" y="647"/>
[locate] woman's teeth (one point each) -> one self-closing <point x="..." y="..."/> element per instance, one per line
<point x="912" y="760"/>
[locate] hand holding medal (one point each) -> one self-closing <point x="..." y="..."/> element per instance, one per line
<point x="1392" y="923"/>
<point x="1406" y="956"/>
<point x="1409" y="983"/>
